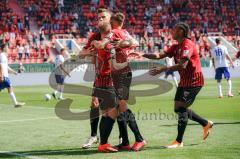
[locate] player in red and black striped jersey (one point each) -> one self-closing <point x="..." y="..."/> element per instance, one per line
<point x="103" y="85"/>
<point x="187" y="63"/>
<point x="122" y="76"/>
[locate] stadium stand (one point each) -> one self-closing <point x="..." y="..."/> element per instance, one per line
<point x="150" y="21"/>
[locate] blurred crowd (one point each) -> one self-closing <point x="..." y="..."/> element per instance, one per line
<point x="149" y="21"/>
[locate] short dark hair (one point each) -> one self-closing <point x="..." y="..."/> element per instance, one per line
<point x="184" y="27"/>
<point x="102" y="10"/>
<point x="62" y="50"/>
<point x="218" y="41"/>
<point x="119" y="17"/>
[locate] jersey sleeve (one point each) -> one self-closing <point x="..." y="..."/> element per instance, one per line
<point x="187" y="51"/>
<point x="61" y="59"/>
<point x="118" y="35"/>
<point x="170" y="51"/>
<point x="91" y="38"/>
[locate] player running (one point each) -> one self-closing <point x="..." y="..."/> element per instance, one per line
<point x="59" y="72"/>
<point x="103" y="84"/>
<point x="4" y="77"/>
<point x="219" y="57"/>
<point x="187" y="63"/>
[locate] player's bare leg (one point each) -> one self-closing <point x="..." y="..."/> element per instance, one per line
<point x="230" y="88"/>
<point x="13" y="98"/>
<point x="219" y="86"/>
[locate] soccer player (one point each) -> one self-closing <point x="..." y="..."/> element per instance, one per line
<point x="187" y="63"/>
<point x="169" y="63"/>
<point x="103" y="85"/>
<point x="219" y="57"/>
<point x="122" y="77"/>
<point x="4" y="77"/>
<point x="59" y="75"/>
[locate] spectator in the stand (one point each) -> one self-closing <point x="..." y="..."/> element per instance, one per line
<point x="27" y="50"/>
<point x="12" y="32"/>
<point x="143" y="44"/>
<point x="29" y="37"/>
<point x="237" y="31"/>
<point x="26" y="22"/>
<point x="7" y="39"/>
<point x="132" y="21"/>
<point x="41" y="37"/>
<point x="55" y="24"/>
<point x="35" y="41"/>
<point x="150" y="45"/>
<point x="147" y="15"/>
<point x="159" y="7"/>
<point x="19" y="23"/>
<point x="20" y="52"/>
<point x="60" y="5"/>
<point x="167" y="1"/>
<point x="149" y="30"/>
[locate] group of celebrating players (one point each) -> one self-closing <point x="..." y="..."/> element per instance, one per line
<point x="108" y="49"/>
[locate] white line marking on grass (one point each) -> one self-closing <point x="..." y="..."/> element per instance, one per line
<point x="19" y="155"/>
<point x="37" y="107"/>
<point x="23" y="120"/>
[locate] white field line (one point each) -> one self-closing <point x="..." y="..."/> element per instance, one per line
<point x="36" y="107"/>
<point x="23" y="120"/>
<point x="20" y="155"/>
<point x="31" y="119"/>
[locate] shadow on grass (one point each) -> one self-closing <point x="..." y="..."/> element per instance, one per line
<point x="73" y="151"/>
<point x="217" y="123"/>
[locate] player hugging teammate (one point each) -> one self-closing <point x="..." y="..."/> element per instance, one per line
<point x="112" y="83"/>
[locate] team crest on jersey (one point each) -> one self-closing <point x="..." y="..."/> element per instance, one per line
<point x="185" y="52"/>
<point x="186" y="93"/>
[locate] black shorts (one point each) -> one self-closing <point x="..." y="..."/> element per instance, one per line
<point x="122" y="83"/>
<point x="187" y="94"/>
<point x="107" y="97"/>
<point x="167" y="73"/>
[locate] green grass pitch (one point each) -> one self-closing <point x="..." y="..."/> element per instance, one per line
<point x="35" y="131"/>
